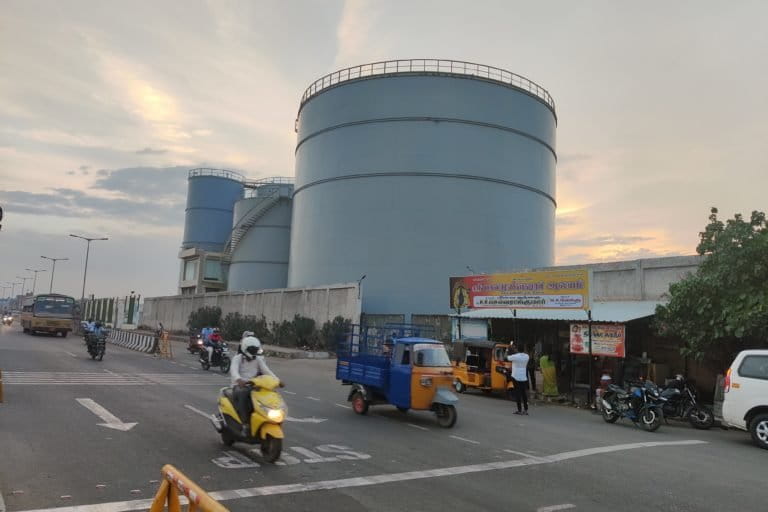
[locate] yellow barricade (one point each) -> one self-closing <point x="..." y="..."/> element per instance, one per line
<point x="174" y="482"/>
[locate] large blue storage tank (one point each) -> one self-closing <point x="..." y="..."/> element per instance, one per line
<point x="211" y="198"/>
<point x="261" y="232"/>
<point x="408" y="172"/>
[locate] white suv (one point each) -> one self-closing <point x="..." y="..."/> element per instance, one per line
<point x="746" y="395"/>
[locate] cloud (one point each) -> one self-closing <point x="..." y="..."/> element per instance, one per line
<point x="151" y="151"/>
<point x="85" y="167"/>
<point x="102" y="172"/>
<point x="606" y="240"/>
<point x="564" y="158"/>
<point x="84" y="172"/>
<point x="71" y="173"/>
<point x="155" y="183"/>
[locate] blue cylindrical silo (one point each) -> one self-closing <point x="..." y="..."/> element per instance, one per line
<point x="211" y="197"/>
<point x="409" y="171"/>
<point x="262" y="237"/>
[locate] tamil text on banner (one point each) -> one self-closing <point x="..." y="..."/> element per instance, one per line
<point x="608" y="339"/>
<point x="548" y="289"/>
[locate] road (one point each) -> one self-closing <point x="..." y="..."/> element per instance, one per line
<point x="54" y="454"/>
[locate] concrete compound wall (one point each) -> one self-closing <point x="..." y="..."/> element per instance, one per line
<point x="321" y="304"/>
<point x="646" y="279"/>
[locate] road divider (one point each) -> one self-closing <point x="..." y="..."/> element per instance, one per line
<point x="133" y="340"/>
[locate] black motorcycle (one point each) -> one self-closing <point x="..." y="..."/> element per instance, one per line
<point x="679" y="401"/>
<point x="96" y="344"/>
<point x="639" y="404"/>
<point x="219" y="358"/>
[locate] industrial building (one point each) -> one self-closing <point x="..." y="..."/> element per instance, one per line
<point x="407" y="172"/>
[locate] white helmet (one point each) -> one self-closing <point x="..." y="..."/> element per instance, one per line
<point x="251" y="347"/>
<point x="247" y="334"/>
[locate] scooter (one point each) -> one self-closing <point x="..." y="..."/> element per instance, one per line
<point x="96" y="345"/>
<point x="219" y="358"/>
<point x="269" y="412"/>
<point x="195" y="344"/>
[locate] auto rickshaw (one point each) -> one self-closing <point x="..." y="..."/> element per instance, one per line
<point x="401" y="368"/>
<point x="483" y="365"/>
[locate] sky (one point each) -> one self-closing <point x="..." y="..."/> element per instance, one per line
<point x="105" y="105"/>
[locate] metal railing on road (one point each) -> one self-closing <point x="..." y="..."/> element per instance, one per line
<point x="436" y="66"/>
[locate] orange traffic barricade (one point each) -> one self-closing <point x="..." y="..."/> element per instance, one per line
<point x="175" y="482"/>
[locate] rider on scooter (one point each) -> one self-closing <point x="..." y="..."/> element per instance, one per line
<point x="247" y="364"/>
<point x="211" y="342"/>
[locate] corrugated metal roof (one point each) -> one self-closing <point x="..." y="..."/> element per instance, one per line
<point x="611" y="311"/>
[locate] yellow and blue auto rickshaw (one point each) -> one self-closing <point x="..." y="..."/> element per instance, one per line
<point x="483" y="365"/>
<point x="397" y="365"/>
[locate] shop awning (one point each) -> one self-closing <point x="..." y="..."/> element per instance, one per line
<point x="609" y="311"/>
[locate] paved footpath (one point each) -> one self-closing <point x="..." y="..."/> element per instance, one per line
<point x="87" y="436"/>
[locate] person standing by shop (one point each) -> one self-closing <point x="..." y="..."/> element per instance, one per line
<point x="519" y="360"/>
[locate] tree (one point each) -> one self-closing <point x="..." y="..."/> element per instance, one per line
<point x="723" y="307"/>
<point x="332" y="331"/>
<point x="207" y="316"/>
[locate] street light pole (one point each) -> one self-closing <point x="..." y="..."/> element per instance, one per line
<point x="23" y="283"/>
<point x="53" y="270"/>
<point x="87" y="253"/>
<point x="34" y="281"/>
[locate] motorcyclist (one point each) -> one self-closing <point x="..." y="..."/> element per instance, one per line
<point x="247" y="364"/>
<point x="212" y="342"/>
<point x="93" y="334"/>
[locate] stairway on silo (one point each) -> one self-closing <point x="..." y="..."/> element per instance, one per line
<point x="249" y="220"/>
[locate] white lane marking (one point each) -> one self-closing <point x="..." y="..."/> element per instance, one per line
<point x="464" y="439"/>
<point x="522" y="454"/>
<point x="235" y="460"/>
<point x="312" y="457"/>
<point x="70" y="353"/>
<point x="343" y="406"/>
<point x="110" y="420"/>
<point x="552" y="508"/>
<point x="272" y="490"/>
<point x="289" y="392"/>
<point x="109" y="372"/>
<point x="2" y="503"/>
<point x="417" y="426"/>
<point x="306" y="420"/>
<point x="313" y="398"/>
<point x="198" y="411"/>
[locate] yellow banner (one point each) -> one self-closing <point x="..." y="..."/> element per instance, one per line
<point x="547" y="289"/>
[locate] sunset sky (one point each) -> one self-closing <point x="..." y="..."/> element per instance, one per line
<point x="105" y="105"/>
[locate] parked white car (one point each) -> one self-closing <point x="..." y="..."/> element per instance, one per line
<point x="746" y="395"/>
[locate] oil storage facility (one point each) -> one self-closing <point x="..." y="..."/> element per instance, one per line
<point x="407" y="172"/>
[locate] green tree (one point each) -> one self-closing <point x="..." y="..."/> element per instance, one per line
<point x="332" y="331"/>
<point x="723" y="307"/>
<point x="207" y="316"/>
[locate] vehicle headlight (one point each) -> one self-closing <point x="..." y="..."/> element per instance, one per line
<point x="276" y="415"/>
<point x="426" y="382"/>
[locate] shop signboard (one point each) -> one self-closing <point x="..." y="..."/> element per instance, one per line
<point x="608" y="339"/>
<point x="547" y="289"/>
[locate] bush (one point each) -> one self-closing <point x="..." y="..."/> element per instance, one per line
<point x="234" y="324"/>
<point x="332" y="331"/>
<point x="304" y="332"/>
<point x="208" y="316"/>
<point x="282" y="334"/>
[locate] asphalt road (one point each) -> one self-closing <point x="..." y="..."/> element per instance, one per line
<point x="54" y="453"/>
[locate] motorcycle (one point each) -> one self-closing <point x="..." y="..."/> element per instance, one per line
<point x="640" y="404"/>
<point x="7" y="320"/>
<point x="195" y="344"/>
<point x="96" y="344"/>
<point x="219" y="358"/>
<point x="269" y="412"/>
<point x="680" y="402"/>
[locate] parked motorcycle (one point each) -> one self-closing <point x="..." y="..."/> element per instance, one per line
<point x="219" y="358"/>
<point x="269" y="412"/>
<point x="640" y="404"/>
<point x="195" y="343"/>
<point x="679" y="401"/>
<point x="96" y="345"/>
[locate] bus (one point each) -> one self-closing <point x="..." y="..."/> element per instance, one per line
<point x="52" y="313"/>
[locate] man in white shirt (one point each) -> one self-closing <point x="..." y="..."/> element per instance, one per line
<point x="247" y="364"/>
<point x="519" y="361"/>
